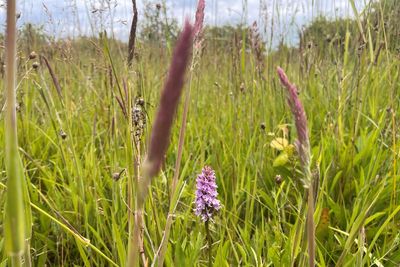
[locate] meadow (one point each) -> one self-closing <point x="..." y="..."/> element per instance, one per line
<point x="85" y="121"/>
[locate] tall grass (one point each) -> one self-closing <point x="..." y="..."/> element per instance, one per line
<point x="81" y="211"/>
<point x="17" y="221"/>
<point x="161" y="132"/>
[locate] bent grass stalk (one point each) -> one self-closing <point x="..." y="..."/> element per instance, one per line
<point x="160" y="134"/>
<point x="17" y="224"/>
<point x="304" y="150"/>
<point x="198" y="27"/>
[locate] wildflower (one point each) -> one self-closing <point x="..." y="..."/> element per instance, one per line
<point x="207" y="203"/>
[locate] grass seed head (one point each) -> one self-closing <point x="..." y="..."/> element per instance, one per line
<point x="198" y="25"/>
<point x="169" y="100"/>
<point x="297" y="109"/>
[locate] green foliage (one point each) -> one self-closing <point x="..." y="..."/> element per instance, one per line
<point x="225" y="38"/>
<point x="157" y="26"/>
<point x="31" y="38"/>
<point x="327" y="36"/>
<point x="383" y="18"/>
<point x="235" y="115"/>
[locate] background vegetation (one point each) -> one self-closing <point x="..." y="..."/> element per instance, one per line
<point x="72" y="137"/>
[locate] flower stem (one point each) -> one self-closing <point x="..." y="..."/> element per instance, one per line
<point x="209" y="241"/>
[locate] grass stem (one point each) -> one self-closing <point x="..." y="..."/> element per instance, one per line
<point x="311" y="227"/>
<point x="16" y="225"/>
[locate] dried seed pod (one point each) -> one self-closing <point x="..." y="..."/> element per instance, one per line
<point x="35" y="65"/>
<point x="32" y="55"/>
<point x="138" y="119"/>
<point x="242" y="88"/>
<point x="278" y="179"/>
<point x="139" y="101"/>
<point x="63" y="134"/>
<point x="18" y="106"/>
<point x="117" y="175"/>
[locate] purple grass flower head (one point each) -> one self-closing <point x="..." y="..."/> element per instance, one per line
<point x="198" y="24"/>
<point x="169" y="101"/>
<point x="198" y="33"/>
<point x="297" y="109"/>
<point x="207" y="203"/>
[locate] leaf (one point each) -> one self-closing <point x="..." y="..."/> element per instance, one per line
<point x="279" y="143"/>
<point x="284" y="128"/>
<point x="322" y="230"/>
<point x="290" y="149"/>
<point x="281" y="160"/>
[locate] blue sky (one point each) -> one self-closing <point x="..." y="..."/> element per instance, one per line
<point x="75" y="17"/>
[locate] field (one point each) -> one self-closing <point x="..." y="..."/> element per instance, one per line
<point x="84" y="127"/>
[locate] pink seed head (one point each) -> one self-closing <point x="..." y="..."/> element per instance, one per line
<point x="169" y="100"/>
<point x="198" y="25"/>
<point x="297" y="109"/>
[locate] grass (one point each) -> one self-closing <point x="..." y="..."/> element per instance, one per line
<point x="80" y="214"/>
<point x="17" y="213"/>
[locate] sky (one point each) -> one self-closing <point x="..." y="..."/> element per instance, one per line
<point x="86" y="17"/>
